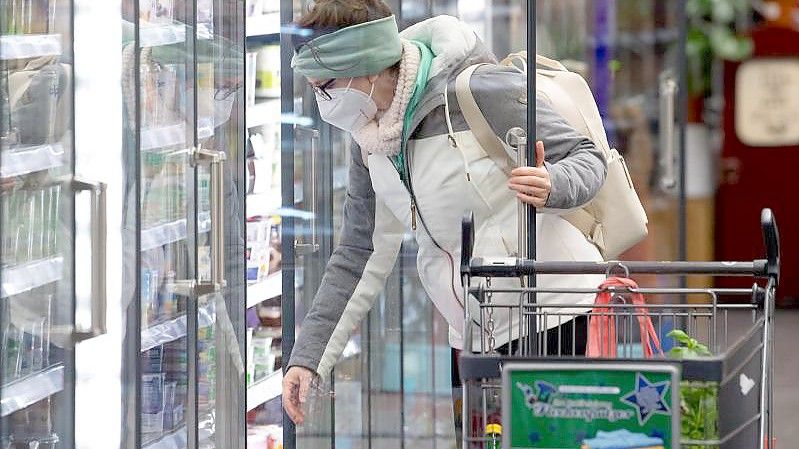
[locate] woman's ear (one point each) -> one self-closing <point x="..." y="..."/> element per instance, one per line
<point x="373" y="78"/>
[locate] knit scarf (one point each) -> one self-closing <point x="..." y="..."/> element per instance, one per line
<point x="384" y="134"/>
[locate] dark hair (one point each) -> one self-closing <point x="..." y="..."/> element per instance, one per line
<point x="327" y="16"/>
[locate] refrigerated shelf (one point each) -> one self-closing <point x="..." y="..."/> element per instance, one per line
<point x="31" y="389"/>
<point x="157" y="35"/>
<point x="174" y="329"/>
<point x="171" y="232"/>
<point x="264" y="390"/>
<point x="263" y="24"/>
<point x="25" y="277"/>
<point x="263" y="204"/>
<point x="163" y="136"/>
<point x="21" y="160"/>
<point x="176" y="439"/>
<point x="271" y="287"/>
<point x="263" y="112"/>
<point x="23" y="46"/>
<point x="163" y="234"/>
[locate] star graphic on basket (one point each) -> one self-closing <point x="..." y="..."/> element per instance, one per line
<point x="648" y="398"/>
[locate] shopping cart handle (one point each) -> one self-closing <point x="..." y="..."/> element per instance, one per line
<point x="467" y="242"/>
<point x="771" y="237"/>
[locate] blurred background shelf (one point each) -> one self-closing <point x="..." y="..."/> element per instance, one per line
<point x="31" y="389"/>
<point x="264" y="390"/>
<point x="263" y="24"/>
<point x="171" y="232"/>
<point x="157" y="35"/>
<point x="176" y="439"/>
<point x="163" y="136"/>
<point x="269" y="288"/>
<point x="263" y="112"/>
<point x="164" y="234"/>
<point x="22" y="160"/>
<point x="263" y="204"/>
<point x="25" y="277"/>
<point x="23" y="46"/>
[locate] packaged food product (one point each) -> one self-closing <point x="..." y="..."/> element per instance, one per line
<point x="250" y="365"/>
<point x="169" y="405"/>
<point x="270" y="316"/>
<point x="251" y="67"/>
<point x="263" y="359"/>
<point x="256" y="438"/>
<point x="152" y="403"/>
<point x="268" y="70"/>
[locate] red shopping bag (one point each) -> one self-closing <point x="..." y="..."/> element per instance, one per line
<point x="602" y="323"/>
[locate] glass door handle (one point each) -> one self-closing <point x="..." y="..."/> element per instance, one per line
<point x="215" y="160"/>
<point x="300" y="247"/>
<point x="99" y="225"/>
<point x="668" y="96"/>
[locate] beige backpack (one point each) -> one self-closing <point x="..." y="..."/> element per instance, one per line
<point x="614" y="220"/>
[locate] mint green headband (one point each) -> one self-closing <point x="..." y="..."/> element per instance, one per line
<point x="364" y="49"/>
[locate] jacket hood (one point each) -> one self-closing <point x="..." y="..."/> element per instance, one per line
<point x="455" y="47"/>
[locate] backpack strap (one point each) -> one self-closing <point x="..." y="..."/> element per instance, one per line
<point x="481" y="129"/>
<point x="547" y="63"/>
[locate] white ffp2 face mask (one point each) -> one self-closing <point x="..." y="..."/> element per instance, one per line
<point x="348" y="109"/>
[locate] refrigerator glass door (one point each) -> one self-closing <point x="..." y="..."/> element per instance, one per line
<point x="159" y="85"/>
<point x="38" y="326"/>
<point x="219" y="344"/>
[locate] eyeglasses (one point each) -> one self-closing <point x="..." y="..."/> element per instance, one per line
<point x="321" y="90"/>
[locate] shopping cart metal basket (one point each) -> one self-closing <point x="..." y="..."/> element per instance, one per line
<point x="546" y="394"/>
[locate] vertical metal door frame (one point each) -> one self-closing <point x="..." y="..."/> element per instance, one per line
<point x="287" y="193"/>
<point x="230" y="385"/>
<point x="70" y="373"/>
<point x="192" y="308"/>
<point x="682" y="116"/>
<point x="132" y="435"/>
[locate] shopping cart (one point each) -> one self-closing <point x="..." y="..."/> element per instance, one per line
<point x="547" y="395"/>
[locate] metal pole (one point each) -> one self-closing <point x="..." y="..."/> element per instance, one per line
<point x="531" y="142"/>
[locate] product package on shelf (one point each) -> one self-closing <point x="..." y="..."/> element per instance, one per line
<point x="268" y="65"/>
<point x="263" y="248"/>
<point x="27" y="17"/>
<point x="261" y="7"/>
<point x="25" y="337"/>
<point x="163" y="389"/>
<point x="265" y="437"/>
<point x="176" y="374"/>
<point x="37" y="103"/>
<point x="264" y="344"/>
<point x="251" y="74"/>
<point x="33" y="427"/>
<point x="206" y="368"/>
<point x="31" y="224"/>
<point x="152" y="404"/>
<point x="263" y="161"/>
<point x="156" y="11"/>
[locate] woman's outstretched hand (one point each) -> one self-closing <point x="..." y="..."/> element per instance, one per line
<point x="296" y="386"/>
<point x="532" y="184"/>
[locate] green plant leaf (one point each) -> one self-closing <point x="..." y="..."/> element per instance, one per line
<point x="723" y="12"/>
